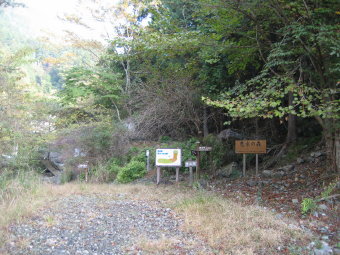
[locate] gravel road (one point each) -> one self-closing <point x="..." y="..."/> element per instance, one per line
<point x="84" y="224"/>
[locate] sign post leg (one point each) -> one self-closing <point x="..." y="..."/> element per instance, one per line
<point x="244" y="165"/>
<point x="158" y="175"/>
<point x="257" y="164"/>
<point x="190" y="176"/>
<point x="177" y="174"/>
<point x="198" y="166"/>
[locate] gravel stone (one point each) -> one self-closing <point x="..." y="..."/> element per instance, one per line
<point x="84" y="224"/>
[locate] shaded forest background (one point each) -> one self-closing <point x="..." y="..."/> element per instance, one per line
<point x="172" y="72"/>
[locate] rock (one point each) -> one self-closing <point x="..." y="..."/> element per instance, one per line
<point x="228" y="133"/>
<point x="251" y="183"/>
<point x="316" y="154"/>
<point x="323" y="207"/>
<point x="51" y="242"/>
<point x="287" y="168"/>
<point x="310" y="159"/>
<point x="300" y="160"/>
<point x="279" y="174"/>
<point x="267" y="173"/>
<point x="271" y="173"/>
<point x="227" y="170"/>
<point x="279" y="216"/>
<point x="325" y="249"/>
<point x="295" y="201"/>
<point x="203" y="183"/>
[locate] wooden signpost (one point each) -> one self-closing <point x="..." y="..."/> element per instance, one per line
<point x="85" y="168"/>
<point x="200" y="149"/>
<point x="250" y="147"/>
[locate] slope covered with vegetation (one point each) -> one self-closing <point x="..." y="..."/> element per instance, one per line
<point x="170" y="74"/>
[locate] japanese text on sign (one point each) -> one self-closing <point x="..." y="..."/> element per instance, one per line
<point x="190" y="163"/>
<point x="250" y="146"/>
<point x="204" y="148"/>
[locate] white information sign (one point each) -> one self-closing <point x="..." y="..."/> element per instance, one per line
<point x="169" y="157"/>
<point x="190" y="163"/>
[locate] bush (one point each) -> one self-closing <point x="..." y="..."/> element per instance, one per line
<point x="308" y="205"/>
<point x="131" y="172"/>
<point x="136" y="154"/>
<point x="66" y="176"/>
<point x="105" y="172"/>
<point x="12" y="184"/>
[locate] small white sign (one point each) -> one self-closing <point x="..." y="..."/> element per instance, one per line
<point x="204" y="148"/>
<point x="190" y="163"/>
<point x="169" y="157"/>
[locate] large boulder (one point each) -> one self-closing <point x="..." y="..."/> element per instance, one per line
<point x="226" y="171"/>
<point x="272" y="174"/>
<point x="228" y="133"/>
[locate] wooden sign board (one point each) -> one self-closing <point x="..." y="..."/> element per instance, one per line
<point x="204" y="148"/>
<point x="251" y="146"/>
<point x="190" y="163"/>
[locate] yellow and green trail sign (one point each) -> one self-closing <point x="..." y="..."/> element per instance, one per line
<point x="169" y="157"/>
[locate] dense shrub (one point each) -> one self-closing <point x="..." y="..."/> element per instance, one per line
<point x="132" y="171"/>
<point x="105" y="173"/>
<point x="67" y="176"/>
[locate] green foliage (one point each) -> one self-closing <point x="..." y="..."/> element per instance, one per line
<point x="165" y="139"/>
<point x="308" y="205"/>
<point x="132" y="171"/>
<point x="12" y="183"/>
<point x="199" y="199"/>
<point x="329" y="189"/>
<point x="302" y="145"/>
<point x="66" y="176"/>
<point x="82" y="83"/>
<point x="105" y="173"/>
<point x="216" y="158"/>
<point x="292" y="58"/>
<point x="186" y="146"/>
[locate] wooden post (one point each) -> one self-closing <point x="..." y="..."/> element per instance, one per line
<point x="244" y="165"/>
<point x="257" y="164"/>
<point x="177" y="174"/>
<point x="198" y="166"/>
<point x="190" y="176"/>
<point x="148" y="160"/>
<point x="158" y="174"/>
<point x="86" y="174"/>
<point x="197" y="161"/>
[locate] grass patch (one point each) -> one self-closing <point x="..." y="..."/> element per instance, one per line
<point x="230" y="227"/>
<point x="226" y="226"/>
<point x="156" y="246"/>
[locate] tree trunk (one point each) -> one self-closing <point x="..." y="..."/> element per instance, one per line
<point x="257" y="128"/>
<point x="205" y="122"/>
<point x="337" y="151"/>
<point x="291" y="135"/>
<point x="331" y="135"/>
